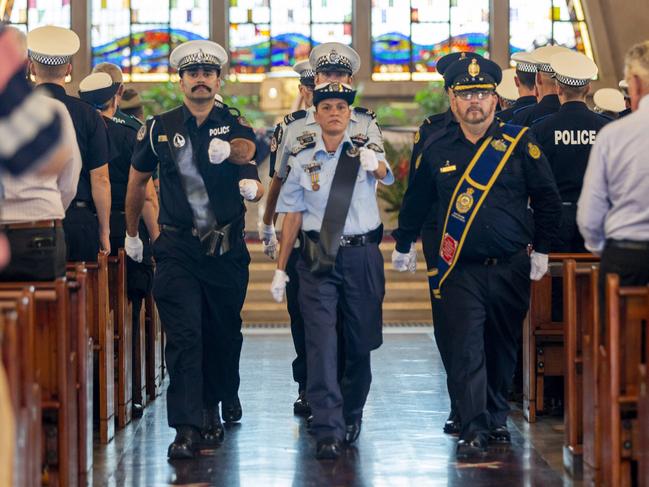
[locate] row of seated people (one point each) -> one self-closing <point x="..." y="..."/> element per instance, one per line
<point x="73" y="365"/>
<point x="598" y="343"/>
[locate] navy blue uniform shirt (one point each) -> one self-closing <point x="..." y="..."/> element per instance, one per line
<point x="122" y="143"/>
<point x="221" y="180"/>
<point x="507" y="114"/>
<point x="566" y="139"/>
<point x="526" y="117"/>
<point x="92" y="137"/>
<point x="503" y="225"/>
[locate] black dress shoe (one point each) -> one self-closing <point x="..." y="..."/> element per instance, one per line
<point x="328" y="449"/>
<point x="473" y="447"/>
<point x="212" y="433"/>
<point x="500" y="435"/>
<point x="352" y="431"/>
<point x="301" y="405"/>
<point x="452" y="426"/>
<point x="231" y="410"/>
<point x="185" y="445"/>
<point x="137" y="411"/>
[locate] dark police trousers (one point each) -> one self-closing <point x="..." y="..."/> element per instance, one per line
<point x="139" y="280"/>
<point x="297" y="321"/>
<point x="480" y="317"/>
<point x="356" y="288"/>
<point x="81" y="233"/>
<point x="37" y="254"/>
<point x="199" y="299"/>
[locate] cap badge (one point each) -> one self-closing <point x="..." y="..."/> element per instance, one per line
<point x="334" y="57"/>
<point x="474" y="68"/>
<point x="200" y="57"/>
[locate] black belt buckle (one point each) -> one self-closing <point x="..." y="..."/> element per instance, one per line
<point x="211" y="242"/>
<point x="353" y="240"/>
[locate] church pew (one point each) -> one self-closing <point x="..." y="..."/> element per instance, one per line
<point x="17" y="355"/>
<point x="543" y="338"/>
<point x="154" y="349"/>
<point x="55" y="368"/>
<point x="120" y="308"/>
<point x="100" y="325"/>
<point x="581" y="319"/>
<point x="623" y="365"/>
<point x="643" y="423"/>
<point x="139" y="359"/>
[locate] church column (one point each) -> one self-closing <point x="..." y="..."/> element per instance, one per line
<point x="361" y="40"/>
<point x="499" y="32"/>
<point x="82" y="61"/>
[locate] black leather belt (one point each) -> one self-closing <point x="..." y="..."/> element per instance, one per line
<point x="492" y="261"/>
<point x="174" y="229"/>
<point x="353" y="240"/>
<point x="627" y="244"/>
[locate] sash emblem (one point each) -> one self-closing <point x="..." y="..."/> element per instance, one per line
<point x="499" y="145"/>
<point x="449" y="247"/>
<point x="465" y="201"/>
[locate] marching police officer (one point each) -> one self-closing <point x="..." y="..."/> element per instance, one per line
<point x="301" y="405"/>
<point x="201" y="272"/>
<point x="525" y="76"/>
<point x="118" y="79"/>
<point x="331" y="61"/>
<point x="546" y="88"/>
<point x="480" y="177"/>
<point x="566" y="139"/>
<point x="434" y="127"/>
<point x="87" y="219"/>
<point x="330" y="194"/>
<point x="99" y="90"/>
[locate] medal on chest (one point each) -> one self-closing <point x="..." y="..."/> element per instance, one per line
<point x="313" y="169"/>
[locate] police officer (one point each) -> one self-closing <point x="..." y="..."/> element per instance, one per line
<point x="330" y="195"/>
<point x="100" y="91"/>
<point x="331" y="61"/>
<point x="480" y="177"/>
<point x="524" y="78"/>
<point x="201" y="258"/>
<point x="546" y="88"/>
<point x="433" y="128"/>
<point x="118" y="79"/>
<point x="609" y="102"/>
<point x="87" y="219"/>
<point x="506" y="90"/>
<point x="269" y="239"/>
<point x="566" y="139"/>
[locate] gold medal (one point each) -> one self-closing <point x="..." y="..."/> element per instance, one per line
<point x="465" y="201"/>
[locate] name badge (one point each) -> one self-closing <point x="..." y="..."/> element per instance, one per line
<point x="447" y="169"/>
<point x="162" y="138"/>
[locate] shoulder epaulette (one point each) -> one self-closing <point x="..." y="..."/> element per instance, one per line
<point x="365" y="111"/>
<point x="292" y="117"/>
<point x="297" y="149"/>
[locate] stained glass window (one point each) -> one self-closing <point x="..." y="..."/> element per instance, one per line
<point x="408" y="36"/>
<point x="29" y="14"/>
<point x="138" y="35"/>
<point x="272" y="35"/>
<point x="537" y="23"/>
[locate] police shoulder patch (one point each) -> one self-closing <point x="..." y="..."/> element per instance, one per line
<point x="417" y="136"/>
<point x="292" y="117"/>
<point x="533" y="150"/>
<point x="365" y="111"/>
<point x="141" y="133"/>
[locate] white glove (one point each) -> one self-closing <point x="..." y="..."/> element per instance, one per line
<point x="369" y="161"/>
<point x="278" y="286"/>
<point x="134" y="247"/>
<point x="268" y="238"/>
<point x="218" y="151"/>
<point x="248" y="189"/>
<point x="539" y="265"/>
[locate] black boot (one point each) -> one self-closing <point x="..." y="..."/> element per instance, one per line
<point x="185" y="445"/>
<point x="212" y="433"/>
<point x="231" y="410"/>
<point x="452" y="426"/>
<point x="301" y="405"/>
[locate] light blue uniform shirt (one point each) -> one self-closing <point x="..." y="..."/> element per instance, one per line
<point x="614" y="201"/>
<point x="298" y="195"/>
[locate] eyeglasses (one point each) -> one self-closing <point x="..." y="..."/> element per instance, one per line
<point x="473" y="94"/>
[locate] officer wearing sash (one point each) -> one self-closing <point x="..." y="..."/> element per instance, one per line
<point x="546" y="88"/>
<point x="525" y="76"/>
<point x="330" y="195"/>
<point x="566" y="139"/>
<point x="87" y="219"/>
<point x="99" y="90"/>
<point x="201" y="258"/>
<point x="480" y="178"/>
<point x="301" y="405"/>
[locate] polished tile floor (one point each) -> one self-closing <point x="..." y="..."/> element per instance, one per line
<point x="401" y="444"/>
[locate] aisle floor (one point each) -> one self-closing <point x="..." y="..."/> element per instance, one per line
<point x="401" y="444"/>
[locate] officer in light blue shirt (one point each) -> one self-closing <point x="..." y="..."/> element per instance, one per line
<point x="330" y="195"/>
